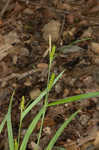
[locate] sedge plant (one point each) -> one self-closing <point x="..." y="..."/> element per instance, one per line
<point x="14" y="144"/>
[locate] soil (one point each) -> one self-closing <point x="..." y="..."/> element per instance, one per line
<point x="24" y="29"/>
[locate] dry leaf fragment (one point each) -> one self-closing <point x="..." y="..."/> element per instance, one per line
<point x="87" y="33"/>
<point x="64" y="6"/>
<point x="95" y="47"/>
<point x="34" y="93"/>
<point x="94" y="9"/>
<point x="70" y="18"/>
<point x="42" y="66"/>
<point x="96" y="142"/>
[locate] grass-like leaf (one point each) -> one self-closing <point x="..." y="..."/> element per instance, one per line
<point x="30" y="129"/>
<point x="9" y="125"/>
<point x="3" y="123"/>
<point x="60" y="130"/>
<point x="50" y="84"/>
<point x="37" y="100"/>
<point x="10" y="132"/>
<point x="5" y="118"/>
<point x="74" y="98"/>
<point x="59" y="148"/>
<point x="51" y="55"/>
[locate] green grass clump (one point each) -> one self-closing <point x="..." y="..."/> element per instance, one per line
<point x="14" y="144"/>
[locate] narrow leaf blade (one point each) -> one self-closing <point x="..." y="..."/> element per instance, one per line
<point x="3" y="123"/>
<point x="37" y="100"/>
<point x="30" y="129"/>
<point x="10" y="132"/>
<point x="60" y="130"/>
<point x="74" y="98"/>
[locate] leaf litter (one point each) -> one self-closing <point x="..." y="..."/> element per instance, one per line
<point x="24" y="29"/>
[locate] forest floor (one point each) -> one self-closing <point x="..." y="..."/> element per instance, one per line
<point x="24" y="29"/>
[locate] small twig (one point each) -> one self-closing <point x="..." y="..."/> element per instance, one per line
<point x="25" y="74"/>
<point x="85" y="140"/>
<point x="4" y="8"/>
<point x="18" y="76"/>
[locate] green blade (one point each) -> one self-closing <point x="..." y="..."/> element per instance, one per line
<point x="60" y="130"/>
<point x="9" y="125"/>
<point x="74" y="98"/>
<point x="25" y="112"/>
<point x="3" y="123"/>
<point x="30" y="129"/>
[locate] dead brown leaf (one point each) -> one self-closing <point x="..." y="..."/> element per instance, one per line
<point x="71" y="145"/>
<point x="48" y="121"/>
<point x="95" y="9"/>
<point x="64" y="6"/>
<point x="42" y="66"/>
<point x="95" y="47"/>
<point x="96" y="142"/>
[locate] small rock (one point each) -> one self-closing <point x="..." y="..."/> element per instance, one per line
<point x="66" y="92"/>
<point x="15" y="85"/>
<point x="47" y="130"/>
<point x="11" y="37"/>
<point x="58" y="88"/>
<point x="52" y="28"/>
<point x="28" y="11"/>
<point x="97" y="60"/>
<point x="42" y="66"/>
<point x="34" y="93"/>
<point x="87" y="33"/>
<point x="64" y="6"/>
<point x="28" y="83"/>
<point x="84" y="119"/>
<point x="95" y="47"/>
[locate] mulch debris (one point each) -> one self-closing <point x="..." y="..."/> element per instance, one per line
<point x="25" y="26"/>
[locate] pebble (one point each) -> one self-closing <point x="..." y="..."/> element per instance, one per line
<point x="34" y="93"/>
<point x="95" y="47"/>
<point x="28" y="11"/>
<point x="42" y="66"/>
<point x="58" y="88"/>
<point x="84" y="119"/>
<point x="47" y="130"/>
<point x="66" y="92"/>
